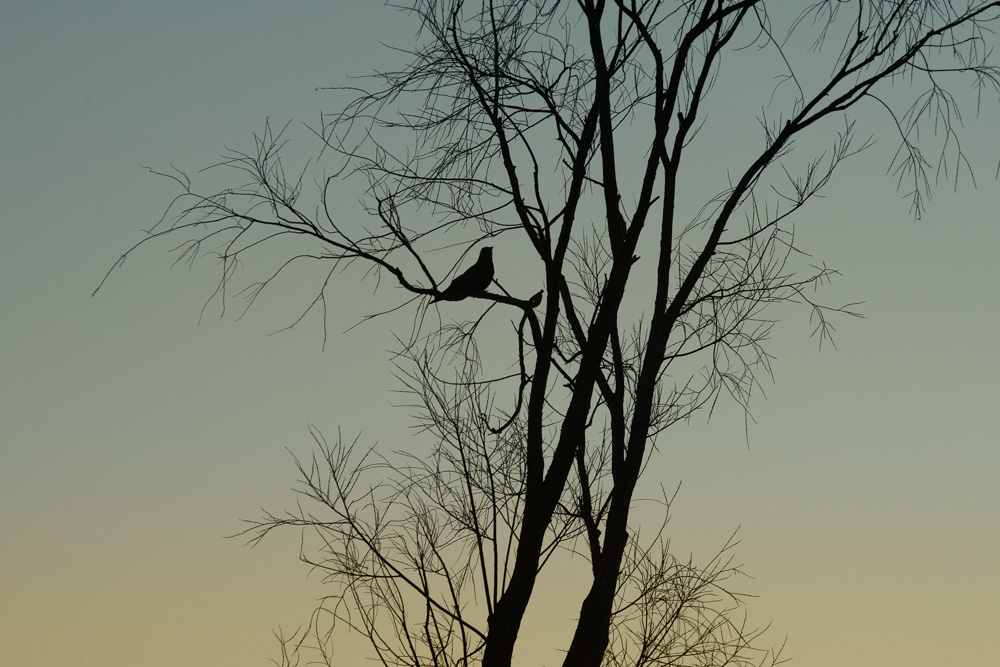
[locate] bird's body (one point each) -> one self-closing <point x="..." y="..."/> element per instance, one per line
<point x="473" y="281"/>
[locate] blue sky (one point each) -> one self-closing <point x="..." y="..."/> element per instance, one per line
<point x="132" y="439"/>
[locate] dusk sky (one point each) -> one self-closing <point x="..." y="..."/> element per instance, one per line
<point x="134" y="439"/>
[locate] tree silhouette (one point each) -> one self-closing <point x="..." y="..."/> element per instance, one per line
<point x="567" y="134"/>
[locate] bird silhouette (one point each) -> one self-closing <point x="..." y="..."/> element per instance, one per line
<point x="473" y="281"/>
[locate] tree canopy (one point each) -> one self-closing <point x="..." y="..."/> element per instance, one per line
<point x="636" y="169"/>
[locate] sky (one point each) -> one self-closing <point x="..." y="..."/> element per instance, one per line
<point x="134" y="438"/>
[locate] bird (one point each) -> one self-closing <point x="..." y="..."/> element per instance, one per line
<point x="473" y="281"/>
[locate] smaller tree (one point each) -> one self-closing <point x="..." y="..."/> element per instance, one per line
<point x="400" y="547"/>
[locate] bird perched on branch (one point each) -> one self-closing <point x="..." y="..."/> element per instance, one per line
<point x="473" y="281"/>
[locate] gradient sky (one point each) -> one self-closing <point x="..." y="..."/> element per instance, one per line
<point x="132" y="440"/>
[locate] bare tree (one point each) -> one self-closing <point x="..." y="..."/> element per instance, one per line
<point x="560" y="132"/>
